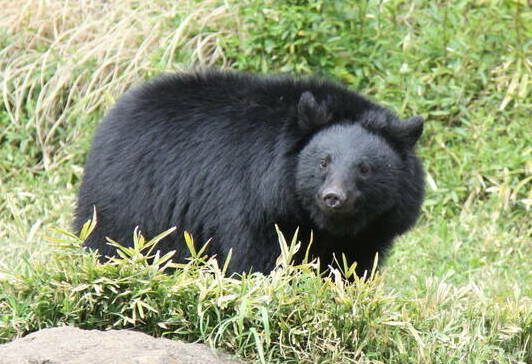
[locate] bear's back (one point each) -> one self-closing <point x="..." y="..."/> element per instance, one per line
<point x="233" y="99"/>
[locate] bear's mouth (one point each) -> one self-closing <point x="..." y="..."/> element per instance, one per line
<point x="341" y="212"/>
<point x="341" y="223"/>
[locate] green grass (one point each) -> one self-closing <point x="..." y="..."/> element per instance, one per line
<point x="456" y="289"/>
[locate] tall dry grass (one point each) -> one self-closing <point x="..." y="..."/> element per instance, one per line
<point x="70" y="58"/>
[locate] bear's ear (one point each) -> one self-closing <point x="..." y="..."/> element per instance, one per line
<point x="411" y="130"/>
<point x="311" y="115"/>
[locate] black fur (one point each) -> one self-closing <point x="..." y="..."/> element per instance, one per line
<point x="228" y="155"/>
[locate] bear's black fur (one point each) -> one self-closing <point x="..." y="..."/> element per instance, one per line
<point x="227" y="156"/>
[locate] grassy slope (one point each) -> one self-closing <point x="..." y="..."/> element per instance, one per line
<point x="456" y="289"/>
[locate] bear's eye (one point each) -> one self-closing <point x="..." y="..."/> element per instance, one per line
<point x="324" y="162"/>
<point x="365" y="169"/>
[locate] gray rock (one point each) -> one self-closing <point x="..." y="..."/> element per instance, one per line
<point x="76" y="346"/>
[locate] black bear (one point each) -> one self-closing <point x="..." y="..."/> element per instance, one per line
<point x="227" y="156"/>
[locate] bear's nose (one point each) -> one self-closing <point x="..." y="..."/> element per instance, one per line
<point x="333" y="199"/>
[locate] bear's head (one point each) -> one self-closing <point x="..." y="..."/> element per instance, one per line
<point x="352" y="171"/>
